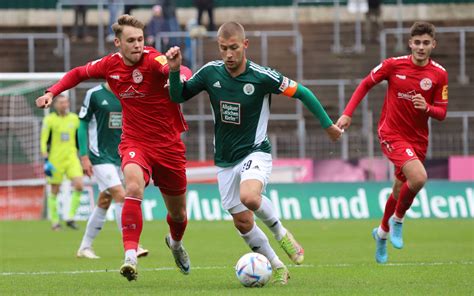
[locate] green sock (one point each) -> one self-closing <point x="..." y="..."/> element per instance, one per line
<point x="75" y="202"/>
<point x="53" y="208"/>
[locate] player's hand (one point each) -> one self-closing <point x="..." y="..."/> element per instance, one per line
<point x="419" y="102"/>
<point x="86" y="165"/>
<point x="48" y="168"/>
<point x="344" y="122"/>
<point x="174" y="57"/>
<point x="334" y="132"/>
<point x="45" y="100"/>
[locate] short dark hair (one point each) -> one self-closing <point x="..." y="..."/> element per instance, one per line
<point x="126" y="20"/>
<point x="421" y="28"/>
<point x="230" y="29"/>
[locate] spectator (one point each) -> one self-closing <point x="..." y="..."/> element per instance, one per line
<point x="171" y="22"/>
<point x="155" y="26"/>
<point x="80" y="24"/>
<point x="115" y="6"/>
<point x="373" y="23"/>
<point x="205" y="5"/>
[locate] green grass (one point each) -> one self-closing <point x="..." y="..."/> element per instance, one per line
<point x="438" y="258"/>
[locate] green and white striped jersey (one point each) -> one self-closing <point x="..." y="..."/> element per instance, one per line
<point x="102" y="110"/>
<point x="240" y="105"/>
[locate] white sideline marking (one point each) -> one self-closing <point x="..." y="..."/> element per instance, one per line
<point x="231" y="267"/>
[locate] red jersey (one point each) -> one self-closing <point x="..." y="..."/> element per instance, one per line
<point x="148" y="114"/>
<point x="399" y="119"/>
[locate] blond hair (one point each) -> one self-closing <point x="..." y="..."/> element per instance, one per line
<point x="231" y="29"/>
<point x="126" y="20"/>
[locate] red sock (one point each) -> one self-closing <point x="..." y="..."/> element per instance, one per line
<point x="176" y="228"/>
<point x="405" y="199"/>
<point x="132" y="222"/>
<point x="389" y="210"/>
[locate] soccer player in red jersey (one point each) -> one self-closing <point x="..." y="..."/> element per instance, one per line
<point x="417" y="90"/>
<point x="151" y="146"/>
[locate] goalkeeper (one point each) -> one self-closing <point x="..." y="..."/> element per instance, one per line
<point x="59" y="135"/>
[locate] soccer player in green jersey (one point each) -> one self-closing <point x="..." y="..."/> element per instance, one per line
<point x="240" y="91"/>
<point x="59" y="128"/>
<point x="99" y="135"/>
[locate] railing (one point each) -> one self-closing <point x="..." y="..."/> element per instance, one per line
<point x="100" y="4"/>
<point x="31" y="37"/>
<point x="462" y="78"/>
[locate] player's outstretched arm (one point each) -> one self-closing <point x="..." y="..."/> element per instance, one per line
<point x="313" y="105"/>
<point x="174" y="58"/>
<point x="82" y="139"/>
<point x="45" y="100"/>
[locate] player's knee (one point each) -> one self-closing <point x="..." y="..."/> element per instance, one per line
<point x="418" y="181"/>
<point x="134" y="189"/>
<point x="250" y="200"/>
<point x="244" y="223"/>
<point x="178" y="214"/>
<point x="104" y="202"/>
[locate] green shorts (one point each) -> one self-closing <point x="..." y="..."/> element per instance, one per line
<point x="71" y="168"/>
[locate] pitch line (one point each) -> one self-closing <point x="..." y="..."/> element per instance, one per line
<point x="341" y="265"/>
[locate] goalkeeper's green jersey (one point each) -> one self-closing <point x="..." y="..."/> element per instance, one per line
<point x="61" y="132"/>
<point x="240" y="105"/>
<point x="103" y="113"/>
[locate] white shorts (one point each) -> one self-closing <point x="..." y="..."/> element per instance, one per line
<point x="107" y="175"/>
<point x="257" y="165"/>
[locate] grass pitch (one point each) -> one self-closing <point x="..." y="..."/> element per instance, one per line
<point x="438" y="258"/>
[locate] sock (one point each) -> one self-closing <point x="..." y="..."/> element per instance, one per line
<point x="405" y="199"/>
<point x="382" y="233"/>
<point x="132" y="223"/>
<point x="118" y="215"/>
<point x="75" y="202"/>
<point x="131" y="255"/>
<point x="389" y="210"/>
<point x="258" y="242"/>
<point x="94" y="225"/>
<point x="266" y="213"/>
<point x="176" y="230"/>
<point x="53" y="208"/>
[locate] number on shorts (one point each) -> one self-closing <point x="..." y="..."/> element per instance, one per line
<point x="132" y="154"/>
<point x="247" y="165"/>
<point x="409" y="152"/>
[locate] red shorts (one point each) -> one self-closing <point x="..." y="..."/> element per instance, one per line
<point x="400" y="152"/>
<point x="165" y="165"/>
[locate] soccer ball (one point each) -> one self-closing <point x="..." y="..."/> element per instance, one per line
<point x="253" y="270"/>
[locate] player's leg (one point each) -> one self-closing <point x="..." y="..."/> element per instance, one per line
<point x="132" y="220"/>
<point x="169" y="174"/>
<point x="258" y="241"/>
<point x="94" y="225"/>
<point x="416" y="178"/>
<point x="255" y="172"/>
<point x="75" y="174"/>
<point x="53" y="206"/>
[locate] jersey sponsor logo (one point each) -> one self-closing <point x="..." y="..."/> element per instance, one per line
<point x="104" y="102"/>
<point x="230" y="112"/>
<point x="403" y="77"/>
<point x="406" y="96"/>
<point x="249" y="89"/>
<point x="217" y="84"/>
<point x="116" y="77"/>
<point x="64" y="136"/>
<point x="130" y="93"/>
<point x="444" y="93"/>
<point x="426" y="84"/>
<point x="161" y="59"/>
<point x="115" y="120"/>
<point x="137" y="76"/>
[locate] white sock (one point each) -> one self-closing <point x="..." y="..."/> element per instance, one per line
<point x="258" y="242"/>
<point x="267" y="214"/>
<point x="396" y="219"/>
<point x="381" y="233"/>
<point x="131" y="255"/>
<point x="174" y="244"/>
<point x="118" y="215"/>
<point x="94" y="225"/>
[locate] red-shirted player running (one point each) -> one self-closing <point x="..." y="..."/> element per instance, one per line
<point x="151" y="146"/>
<point x="417" y="90"/>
